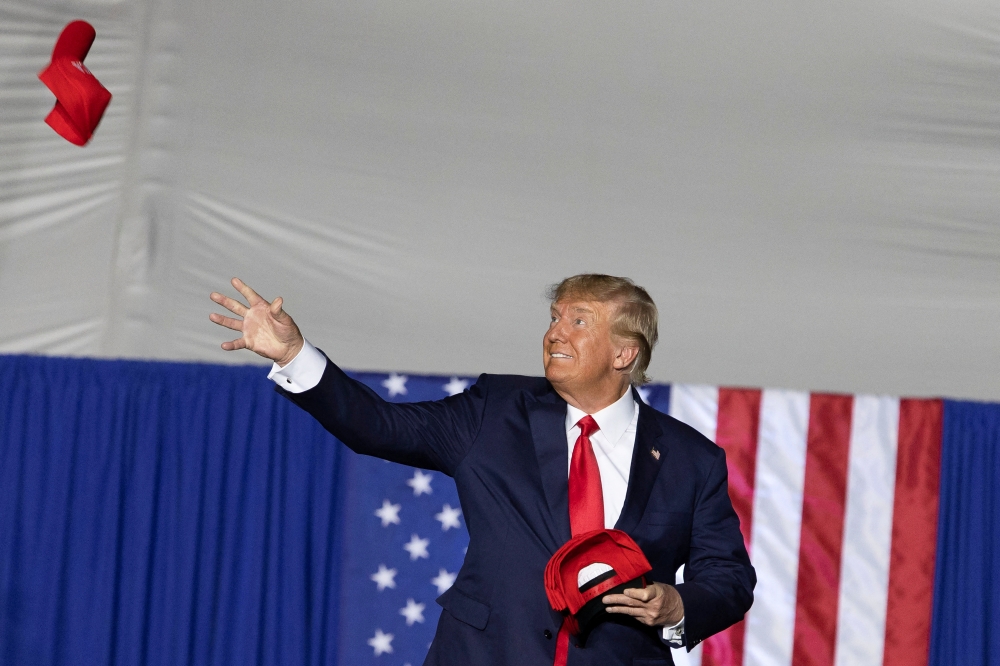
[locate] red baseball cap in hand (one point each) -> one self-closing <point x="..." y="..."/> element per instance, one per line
<point x="80" y="98"/>
<point x="587" y="567"/>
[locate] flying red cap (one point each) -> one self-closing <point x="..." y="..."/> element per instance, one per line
<point x="80" y="98"/>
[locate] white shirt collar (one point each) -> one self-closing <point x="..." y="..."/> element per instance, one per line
<point x="613" y="420"/>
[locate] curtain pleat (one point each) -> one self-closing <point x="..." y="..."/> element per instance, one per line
<point x="967" y="574"/>
<point x="163" y="513"/>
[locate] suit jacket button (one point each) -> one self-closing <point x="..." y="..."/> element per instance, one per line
<point x="548" y="634"/>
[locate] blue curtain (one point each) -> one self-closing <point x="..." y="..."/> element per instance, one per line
<point x="167" y="513"/>
<point x="966" y="624"/>
<point x="159" y="513"/>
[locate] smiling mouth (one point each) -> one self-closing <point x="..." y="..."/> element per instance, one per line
<point x="558" y="355"/>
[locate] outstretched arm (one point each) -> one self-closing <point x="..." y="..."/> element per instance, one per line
<point x="432" y="435"/>
<point x="265" y="328"/>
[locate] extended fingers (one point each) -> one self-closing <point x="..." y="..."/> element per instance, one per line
<point x="622" y="600"/>
<point x="640" y="603"/>
<point x="253" y="298"/>
<point x="647" y="593"/>
<point x="643" y="613"/>
<point x="233" y="345"/>
<point x="629" y="610"/>
<point x="228" y="322"/>
<point x="633" y="596"/>
<point x="230" y="304"/>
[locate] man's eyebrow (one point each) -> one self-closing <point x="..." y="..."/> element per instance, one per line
<point x="553" y="310"/>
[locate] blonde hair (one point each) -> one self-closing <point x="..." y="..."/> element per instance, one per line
<point x="634" y="318"/>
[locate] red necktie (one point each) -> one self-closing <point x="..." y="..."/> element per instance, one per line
<point x="586" y="505"/>
<point x="586" y="498"/>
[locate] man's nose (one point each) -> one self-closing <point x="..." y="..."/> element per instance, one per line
<point x="556" y="332"/>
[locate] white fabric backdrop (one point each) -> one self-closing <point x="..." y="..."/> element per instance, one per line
<point x="809" y="190"/>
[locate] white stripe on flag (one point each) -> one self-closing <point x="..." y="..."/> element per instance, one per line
<point x="777" y="527"/>
<point x="697" y="406"/>
<point x="864" y="571"/>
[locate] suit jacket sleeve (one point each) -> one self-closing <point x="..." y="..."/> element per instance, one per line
<point x="432" y="435"/>
<point x="718" y="578"/>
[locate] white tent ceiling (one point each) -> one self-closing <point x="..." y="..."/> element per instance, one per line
<point x="809" y="190"/>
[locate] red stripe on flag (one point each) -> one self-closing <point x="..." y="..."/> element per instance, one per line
<point x="914" y="534"/>
<point x="823" y="503"/>
<point x="736" y="432"/>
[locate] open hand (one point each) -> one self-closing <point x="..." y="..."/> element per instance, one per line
<point x="267" y="329"/>
<point x="656" y="605"/>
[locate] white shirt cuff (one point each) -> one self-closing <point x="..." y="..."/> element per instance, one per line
<point x="674" y="636"/>
<point x="302" y="373"/>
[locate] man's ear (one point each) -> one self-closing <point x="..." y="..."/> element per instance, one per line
<point x="625" y="357"/>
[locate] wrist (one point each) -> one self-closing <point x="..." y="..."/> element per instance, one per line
<point x="290" y="354"/>
<point x="674" y="605"/>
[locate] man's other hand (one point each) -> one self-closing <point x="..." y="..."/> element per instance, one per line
<point x="656" y="605"/>
<point x="267" y="329"/>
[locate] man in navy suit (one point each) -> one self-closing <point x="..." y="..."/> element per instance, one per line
<point x="508" y="442"/>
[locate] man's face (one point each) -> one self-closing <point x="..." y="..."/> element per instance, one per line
<point x="577" y="349"/>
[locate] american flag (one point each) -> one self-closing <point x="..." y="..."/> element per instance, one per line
<point x="405" y="542"/>
<point x="837" y="498"/>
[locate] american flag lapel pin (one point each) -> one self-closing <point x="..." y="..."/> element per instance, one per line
<point x="656" y="454"/>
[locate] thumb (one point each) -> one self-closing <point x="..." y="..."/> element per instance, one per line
<point x="275" y="306"/>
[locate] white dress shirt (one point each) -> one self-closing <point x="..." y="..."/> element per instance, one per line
<point x="613" y="443"/>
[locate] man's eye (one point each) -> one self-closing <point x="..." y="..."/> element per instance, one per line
<point x="580" y="322"/>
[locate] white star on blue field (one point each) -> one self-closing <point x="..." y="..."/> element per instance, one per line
<point x="404" y="540"/>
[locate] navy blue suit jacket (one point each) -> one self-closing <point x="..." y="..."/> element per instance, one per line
<point x="504" y="442"/>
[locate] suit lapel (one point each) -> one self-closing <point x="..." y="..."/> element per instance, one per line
<point x="547" y="416"/>
<point x="647" y="456"/>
